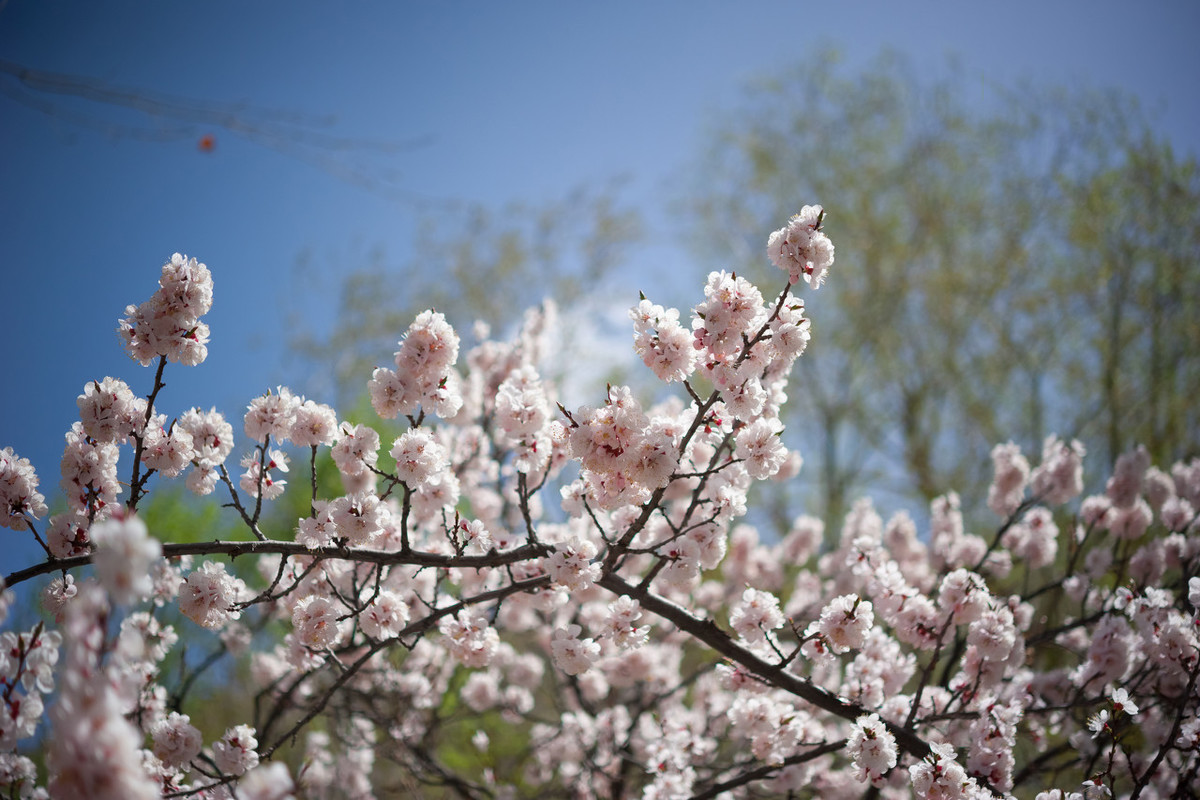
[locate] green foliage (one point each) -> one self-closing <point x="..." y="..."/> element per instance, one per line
<point x="173" y="514"/>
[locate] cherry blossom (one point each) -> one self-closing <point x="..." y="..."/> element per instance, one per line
<point x="590" y="586"/>
<point x="573" y="654"/>
<point x="801" y="249"/>
<point x="124" y="554"/>
<point x="871" y="747"/>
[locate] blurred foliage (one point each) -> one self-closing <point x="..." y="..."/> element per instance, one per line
<point x="472" y="264"/>
<point x="176" y="515"/>
<point x="1011" y="263"/>
<point x="1133" y="279"/>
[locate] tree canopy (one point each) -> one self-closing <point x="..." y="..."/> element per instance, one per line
<point x="1013" y="261"/>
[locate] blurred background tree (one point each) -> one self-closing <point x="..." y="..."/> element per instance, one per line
<point x="473" y="263"/>
<point x="1132" y="277"/>
<point x="1011" y="262"/>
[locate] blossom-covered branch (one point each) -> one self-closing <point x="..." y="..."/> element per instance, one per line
<point x="514" y="598"/>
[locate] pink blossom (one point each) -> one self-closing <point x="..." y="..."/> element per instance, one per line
<point x="256" y="478"/>
<point x="267" y="782"/>
<point x="315" y="620"/>
<point x="939" y="776"/>
<point x="167" y="452"/>
<point x="385" y="616"/>
<point x="965" y="595"/>
<point x="392" y="394"/>
<point x="430" y="347"/>
<point x="168" y="323"/>
<point x="844" y="623"/>
<point x="572" y="654"/>
<point x="424" y="375"/>
<point x="358" y="518"/>
<point x="571" y="564"/>
<point x="521" y="406"/>
<point x="1034" y="539"/>
<point x="418" y="456"/>
<point x="801" y="249"/>
<point x="56" y="595"/>
<point x="95" y="752"/>
<point x="993" y="634"/>
<point x="89" y="474"/>
<point x="272" y="414"/>
<point x="471" y="638"/>
<point x="356" y="449"/>
<point x="871" y="747"/>
<point x="1011" y="471"/>
<point x="212" y="436"/>
<point x="109" y="410"/>
<point x="482" y="691"/>
<point x="176" y="740"/>
<point x="756" y="615"/>
<point x="664" y="345"/>
<point x="1122" y="703"/>
<point x="313" y="424"/>
<point x="235" y="753"/>
<point x="732" y="308"/>
<point x="1059" y="477"/>
<point x="1131" y="522"/>
<point x="1177" y="514"/>
<point x="210" y="595"/>
<point x="319" y="530"/>
<point x="476" y="538"/>
<point x="1125" y="485"/>
<point x="790" y="330"/>
<point x="202" y="480"/>
<point x="125" y="552"/>
<point x="802" y="539"/>
<point x="67" y="535"/>
<point x="18" y="491"/>
<point x="621" y="627"/>
<point x="759" y="446"/>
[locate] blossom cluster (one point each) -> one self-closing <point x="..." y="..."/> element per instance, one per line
<point x="521" y="598"/>
<point x="18" y="485"/>
<point x="168" y="324"/>
<point x="801" y="248"/>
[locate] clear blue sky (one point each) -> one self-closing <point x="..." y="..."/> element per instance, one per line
<point x="508" y="101"/>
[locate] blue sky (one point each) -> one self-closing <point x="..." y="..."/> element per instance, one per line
<point x="498" y="102"/>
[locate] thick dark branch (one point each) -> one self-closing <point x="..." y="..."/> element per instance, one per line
<point x="775" y="674"/>
<point x="768" y="770"/>
<point x="293" y="549"/>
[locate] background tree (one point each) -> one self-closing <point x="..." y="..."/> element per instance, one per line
<point x="1132" y="276"/>
<point x="1000" y="250"/>
<point x="472" y="263"/>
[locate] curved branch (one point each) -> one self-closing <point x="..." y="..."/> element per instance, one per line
<point x="768" y="770"/>
<point x="706" y="631"/>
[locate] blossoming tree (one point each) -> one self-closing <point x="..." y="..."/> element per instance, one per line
<point x="441" y="624"/>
